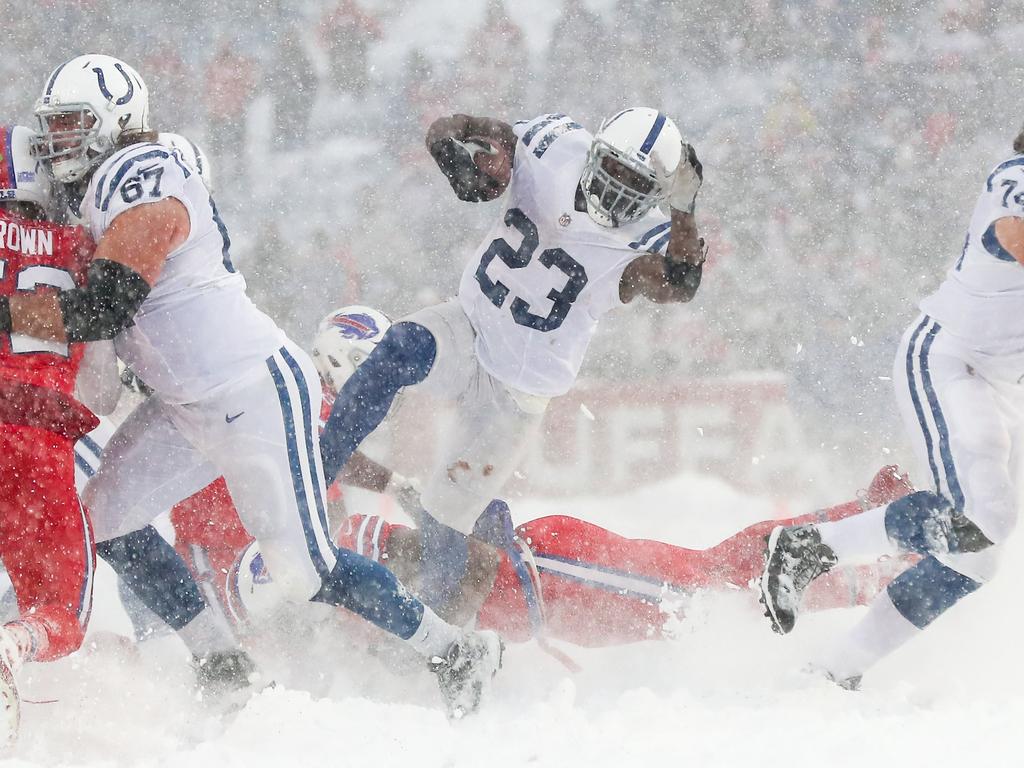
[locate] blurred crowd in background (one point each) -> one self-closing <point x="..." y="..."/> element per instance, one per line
<point x="843" y="143"/>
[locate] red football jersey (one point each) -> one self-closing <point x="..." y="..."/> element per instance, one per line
<point x="35" y="255"/>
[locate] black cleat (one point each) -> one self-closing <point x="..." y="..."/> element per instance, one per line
<point x="850" y="683"/>
<point x="464" y="673"/>
<point x="225" y="673"/>
<point x="796" y="556"/>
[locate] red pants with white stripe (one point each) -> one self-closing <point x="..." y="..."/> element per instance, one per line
<point x="585" y="584"/>
<point x="591" y="587"/>
<point x="46" y="539"/>
<point x="210" y="537"/>
<point x="598" y="588"/>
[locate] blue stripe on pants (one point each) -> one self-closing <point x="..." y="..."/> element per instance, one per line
<point x="918" y="409"/>
<point x="298" y="481"/>
<point x="308" y="419"/>
<point x="945" y="452"/>
<point x="85" y="596"/>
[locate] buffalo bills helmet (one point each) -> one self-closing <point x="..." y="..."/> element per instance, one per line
<point x="344" y="339"/>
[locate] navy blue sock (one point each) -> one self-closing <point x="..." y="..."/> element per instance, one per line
<point x="404" y="357"/>
<point x="928" y="589"/>
<point x="915" y="523"/>
<point x="150" y="568"/>
<point x="370" y="590"/>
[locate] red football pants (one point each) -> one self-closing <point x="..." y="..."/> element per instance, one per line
<point x="599" y="588"/>
<point x="209" y="536"/>
<point x="46" y="539"/>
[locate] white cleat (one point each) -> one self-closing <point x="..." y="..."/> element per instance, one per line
<point x="10" y="699"/>
<point x="10" y="706"/>
<point x="464" y="673"/>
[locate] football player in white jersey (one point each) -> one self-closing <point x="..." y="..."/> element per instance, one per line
<point x="580" y="233"/>
<point x="233" y="396"/>
<point x="959" y="376"/>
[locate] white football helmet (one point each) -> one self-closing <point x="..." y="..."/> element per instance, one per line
<point x="87" y="103"/>
<point x="192" y="154"/>
<point x="23" y="179"/>
<point x="630" y="165"/>
<point x="344" y="339"/>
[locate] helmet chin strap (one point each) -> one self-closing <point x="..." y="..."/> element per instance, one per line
<point x="598" y="217"/>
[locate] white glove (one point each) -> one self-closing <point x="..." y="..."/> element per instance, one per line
<point x="405" y="492"/>
<point x="686" y="181"/>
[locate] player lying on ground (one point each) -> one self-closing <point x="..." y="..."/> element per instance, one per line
<point x="579" y="234"/>
<point x="559" y="577"/>
<point x="233" y="396"/>
<point x="958" y="375"/>
<point x="565" y="578"/>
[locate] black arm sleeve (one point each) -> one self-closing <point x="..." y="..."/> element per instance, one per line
<point x="680" y="274"/>
<point x="106" y="305"/>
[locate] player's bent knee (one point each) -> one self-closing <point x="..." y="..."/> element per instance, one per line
<point x="926" y="590"/>
<point x="926" y="523"/>
<point x="914" y="523"/>
<point x="408" y="349"/>
<point x="370" y="590"/>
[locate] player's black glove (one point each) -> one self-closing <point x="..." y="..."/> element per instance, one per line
<point x="455" y="159"/>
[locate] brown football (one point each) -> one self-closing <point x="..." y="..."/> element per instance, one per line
<point x="497" y="164"/>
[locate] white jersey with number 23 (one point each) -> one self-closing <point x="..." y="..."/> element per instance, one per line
<point x="545" y="274"/>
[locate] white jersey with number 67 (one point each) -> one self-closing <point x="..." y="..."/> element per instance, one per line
<point x="197" y="331"/>
<point x="981" y="300"/>
<point x="546" y="273"/>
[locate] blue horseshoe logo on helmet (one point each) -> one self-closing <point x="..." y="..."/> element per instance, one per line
<point x="103" y="85"/>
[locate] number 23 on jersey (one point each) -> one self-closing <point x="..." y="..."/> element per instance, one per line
<point x="555" y="259"/>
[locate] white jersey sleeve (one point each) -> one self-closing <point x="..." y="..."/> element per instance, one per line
<point x="982" y="297"/>
<point x="144" y="173"/>
<point x="536" y="136"/>
<point x="197" y="330"/>
<point x="1002" y="197"/>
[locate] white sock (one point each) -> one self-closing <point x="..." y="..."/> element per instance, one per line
<point x="208" y="633"/>
<point x="434" y="635"/>
<point x="879" y="633"/>
<point x="22" y="641"/>
<point x="859" y="536"/>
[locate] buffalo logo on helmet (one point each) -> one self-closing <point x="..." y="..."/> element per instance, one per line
<point x="258" y="570"/>
<point x="356" y="326"/>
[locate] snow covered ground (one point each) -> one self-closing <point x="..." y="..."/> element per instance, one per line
<point x="726" y="692"/>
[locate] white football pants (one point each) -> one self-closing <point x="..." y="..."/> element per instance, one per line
<point x="963" y="412"/>
<point x="493" y="423"/>
<point x="261" y="434"/>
